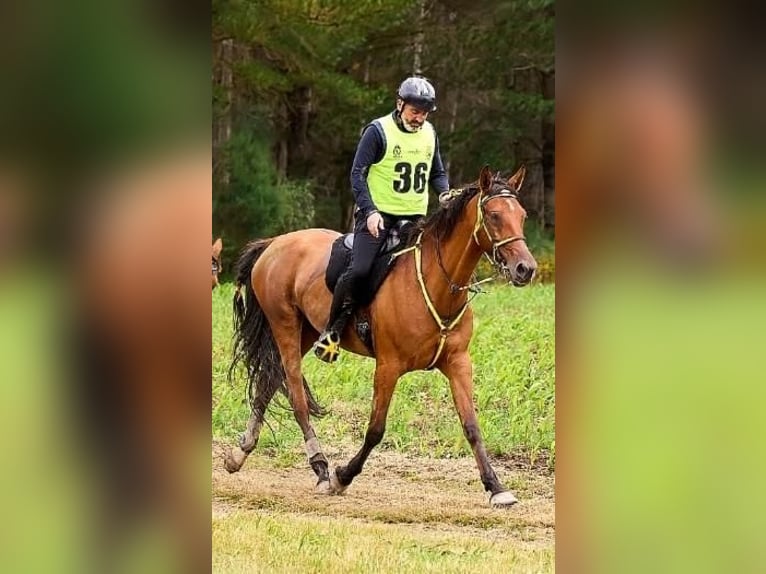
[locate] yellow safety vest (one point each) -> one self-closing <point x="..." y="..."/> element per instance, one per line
<point x="398" y="183"/>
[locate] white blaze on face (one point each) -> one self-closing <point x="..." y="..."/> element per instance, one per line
<point x="510" y="203"/>
<point x="496" y="204"/>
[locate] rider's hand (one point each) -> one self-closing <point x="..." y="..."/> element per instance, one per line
<point x="374" y="223"/>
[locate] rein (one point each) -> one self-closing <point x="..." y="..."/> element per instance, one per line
<point x="447" y="325"/>
<point x="454" y="287"/>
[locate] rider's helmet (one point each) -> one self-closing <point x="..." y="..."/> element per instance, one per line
<point x="418" y="92"/>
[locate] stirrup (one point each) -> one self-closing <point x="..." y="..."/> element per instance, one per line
<point x="327" y="347"/>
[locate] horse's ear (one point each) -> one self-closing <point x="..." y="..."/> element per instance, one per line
<point x="485" y="179"/>
<point x="217" y="246"/>
<point x="515" y="181"/>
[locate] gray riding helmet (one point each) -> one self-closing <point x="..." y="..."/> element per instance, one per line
<point x="418" y="92"/>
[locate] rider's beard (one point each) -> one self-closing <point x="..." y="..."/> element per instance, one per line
<point x="411" y="127"/>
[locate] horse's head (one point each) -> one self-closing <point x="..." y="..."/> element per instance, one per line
<point x="216" y="260"/>
<point x="499" y="229"/>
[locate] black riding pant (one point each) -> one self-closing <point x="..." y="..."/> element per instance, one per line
<point x="353" y="284"/>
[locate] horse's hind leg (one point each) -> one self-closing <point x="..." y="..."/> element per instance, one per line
<point x="248" y="440"/>
<point x="236" y="456"/>
<point x="294" y="341"/>
<point x="316" y="457"/>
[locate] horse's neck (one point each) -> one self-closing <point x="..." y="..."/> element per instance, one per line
<point x="459" y="257"/>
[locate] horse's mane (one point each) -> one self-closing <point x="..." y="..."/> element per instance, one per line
<point x="444" y="219"/>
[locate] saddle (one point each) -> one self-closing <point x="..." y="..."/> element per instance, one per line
<point x="342" y="251"/>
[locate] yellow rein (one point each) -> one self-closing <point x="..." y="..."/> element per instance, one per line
<point x="445" y="326"/>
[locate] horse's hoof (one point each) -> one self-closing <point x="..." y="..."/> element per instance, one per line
<point x="232" y="462"/>
<point x="335" y="486"/>
<point x="230" y="465"/>
<point x="502" y="500"/>
<point x="323" y="487"/>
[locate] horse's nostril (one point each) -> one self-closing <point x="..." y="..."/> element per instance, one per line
<point x="524" y="272"/>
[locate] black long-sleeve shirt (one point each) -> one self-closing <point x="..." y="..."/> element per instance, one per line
<point x="370" y="150"/>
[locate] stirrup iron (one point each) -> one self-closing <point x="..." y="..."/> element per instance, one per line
<point x="327" y="347"/>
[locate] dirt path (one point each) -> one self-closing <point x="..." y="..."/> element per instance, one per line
<point x="432" y="494"/>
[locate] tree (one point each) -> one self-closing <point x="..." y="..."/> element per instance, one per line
<point x="295" y="81"/>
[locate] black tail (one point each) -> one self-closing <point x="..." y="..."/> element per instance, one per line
<point x="254" y="343"/>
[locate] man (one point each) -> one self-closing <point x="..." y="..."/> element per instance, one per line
<point x="397" y="161"/>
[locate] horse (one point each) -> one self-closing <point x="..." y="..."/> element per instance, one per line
<point x="217" y="246"/>
<point x="420" y="318"/>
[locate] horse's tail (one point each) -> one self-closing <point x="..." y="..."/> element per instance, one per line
<point x="254" y="343"/>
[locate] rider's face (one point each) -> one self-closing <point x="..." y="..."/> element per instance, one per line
<point x="412" y="117"/>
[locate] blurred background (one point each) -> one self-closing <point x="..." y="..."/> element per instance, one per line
<point x="105" y="183"/>
<point x="660" y="307"/>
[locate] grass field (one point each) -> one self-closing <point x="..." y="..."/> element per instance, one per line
<point x="418" y="506"/>
<point x="513" y="354"/>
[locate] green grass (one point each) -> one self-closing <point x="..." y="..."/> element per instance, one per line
<point x="513" y="355"/>
<point x="295" y="543"/>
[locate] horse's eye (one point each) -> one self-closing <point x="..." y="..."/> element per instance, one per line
<point x="494" y="216"/>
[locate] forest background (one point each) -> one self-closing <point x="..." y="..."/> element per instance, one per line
<point x="295" y="81"/>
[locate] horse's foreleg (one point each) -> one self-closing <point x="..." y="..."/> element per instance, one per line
<point x="385" y="382"/>
<point x="459" y="371"/>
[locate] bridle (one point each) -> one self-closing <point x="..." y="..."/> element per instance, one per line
<point x="481" y="224"/>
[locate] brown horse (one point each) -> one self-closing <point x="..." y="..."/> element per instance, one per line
<point x="420" y="318"/>
<point x="217" y="246"/>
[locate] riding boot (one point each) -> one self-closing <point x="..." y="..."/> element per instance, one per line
<point x="327" y="347"/>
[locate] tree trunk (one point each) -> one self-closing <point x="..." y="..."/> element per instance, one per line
<point x="222" y="125"/>
<point x="283" y="148"/>
<point x="451" y="131"/>
<point x="419" y="41"/>
<point x="455" y="96"/>
<point x="549" y="153"/>
<point x="298" y="113"/>
<point x="529" y="148"/>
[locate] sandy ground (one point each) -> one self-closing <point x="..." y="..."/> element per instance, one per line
<point x="428" y="493"/>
